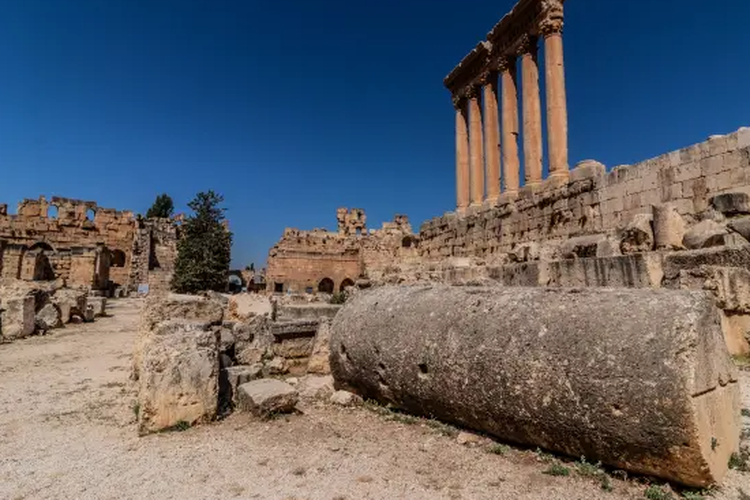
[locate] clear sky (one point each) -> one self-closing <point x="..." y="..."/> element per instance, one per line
<point x="293" y="108"/>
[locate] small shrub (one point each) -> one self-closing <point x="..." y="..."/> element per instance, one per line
<point x="740" y="461"/>
<point x="498" y="449"/>
<point x="655" y="492"/>
<point x="543" y="457"/>
<point x="557" y="470"/>
<point x="745" y="412"/>
<point x="441" y="427"/>
<point x="742" y="495"/>
<point x="692" y="495"/>
<point x="338" y="298"/>
<point x="136" y="410"/>
<point x="587" y="469"/>
<point x="180" y="426"/>
<point x="605" y="482"/>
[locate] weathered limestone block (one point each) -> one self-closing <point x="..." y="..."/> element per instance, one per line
<point x="99" y="305"/>
<point x="631" y="271"/>
<point x="638" y="236"/>
<point x="18" y="319"/>
<point x="71" y="302"/>
<point x="244" y="306"/>
<point x="242" y="374"/>
<point x="293" y="339"/>
<point x="292" y="312"/>
<point x="179" y="374"/>
<point x="741" y="226"/>
<point x="736" y="328"/>
<point x="253" y="340"/>
<point x="587" y="246"/>
<point x="705" y="234"/>
<point x="669" y="227"/>
<point x="345" y="398"/>
<point x="319" y="359"/>
<point x="266" y="397"/>
<point x="88" y="314"/>
<point x="639" y="379"/>
<point x="48" y="317"/>
<point x="525" y="252"/>
<point x="731" y="203"/>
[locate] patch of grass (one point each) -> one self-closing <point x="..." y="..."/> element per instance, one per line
<point x="714" y="444"/>
<point x="498" y="449"/>
<point x="299" y="471"/>
<point x="655" y="492"/>
<point x="441" y="427"/>
<point x="692" y="495"/>
<point x="740" y="461"/>
<point x="402" y="418"/>
<point x="557" y="470"/>
<point x="136" y="410"/>
<point x="338" y="298"/>
<point x="745" y="412"/>
<point x="180" y="426"/>
<point x="743" y="362"/>
<point x="605" y="482"/>
<point x="742" y="495"/>
<point x="587" y="469"/>
<point x="544" y="457"/>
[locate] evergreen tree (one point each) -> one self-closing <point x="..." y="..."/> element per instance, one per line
<point x="163" y="207"/>
<point x="204" y="247"/>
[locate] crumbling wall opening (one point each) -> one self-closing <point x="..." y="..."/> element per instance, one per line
<point x="325" y="285"/>
<point x="90" y="214"/>
<point x="118" y="258"/>
<point x="52" y="212"/>
<point x="278" y="287"/>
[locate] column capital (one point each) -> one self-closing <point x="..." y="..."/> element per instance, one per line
<point x="459" y="102"/>
<point x="504" y="63"/>
<point x="472" y="91"/>
<point x="487" y="76"/>
<point x="551" y="26"/>
<point x="527" y="44"/>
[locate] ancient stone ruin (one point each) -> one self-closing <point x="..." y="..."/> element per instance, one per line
<point x="321" y="261"/>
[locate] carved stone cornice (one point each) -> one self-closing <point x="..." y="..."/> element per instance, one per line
<point x="488" y="76"/>
<point x="527" y="44"/>
<point x="551" y="26"/>
<point x="472" y="91"/>
<point x="459" y="103"/>
<point x="505" y="63"/>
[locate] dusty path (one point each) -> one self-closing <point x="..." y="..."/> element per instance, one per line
<point x="67" y="431"/>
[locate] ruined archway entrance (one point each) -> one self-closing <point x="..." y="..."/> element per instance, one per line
<point x="118" y="258"/>
<point x="325" y="285"/>
<point x="347" y="283"/>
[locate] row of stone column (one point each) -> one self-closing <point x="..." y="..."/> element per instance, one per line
<point x="476" y="126"/>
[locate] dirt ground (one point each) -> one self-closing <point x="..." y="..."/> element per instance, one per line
<point x="67" y="430"/>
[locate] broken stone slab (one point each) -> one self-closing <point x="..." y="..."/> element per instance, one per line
<point x="17" y="319"/>
<point x="315" y="386"/>
<point x="186" y="307"/>
<point x="178" y="375"/>
<point x="318" y="362"/>
<point x="705" y="234"/>
<point x="346" y="398"/>
<point x="266" y="397"/>
<point x="276" y="366"/>
<point x="638" y="235"/>
<point x="98" y="304"/>
<point x="731" y="203"/>
<point x="525" y="252"/>
<point x="648" y="387"/>
<point x="642" y="270"/>
<point x="242" y="374"/>
<point x="740" y="226"/>
<point x="88" y="314"/>
<point x="71" y="302"/>
<point x="244" y="306"/>
<point x="48" y="318"/>
<point x="669" y="227"/>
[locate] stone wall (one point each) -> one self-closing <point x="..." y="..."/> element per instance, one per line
<point x="154" y="253"/>
<point x="325" y="261"/>
<point x="593" y="201"/>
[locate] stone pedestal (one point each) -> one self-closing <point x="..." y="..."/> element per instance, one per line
<point x="476" y="145"/>
<point x="492" y="138"/>
<point x="532" y="112"/>
<point x="511" y="163"/>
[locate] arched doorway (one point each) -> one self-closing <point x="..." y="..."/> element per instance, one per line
<point x="347" y="283"/>
<point x="325" y="285"/>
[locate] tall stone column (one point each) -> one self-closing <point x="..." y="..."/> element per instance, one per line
<point x="557" y="109"/>
<point x="532" y="111"/>
<point x="511" y="163"/>
<point x="476" y="146"/>
<point x="491" y="136"/>
<point x="462" y="154"/>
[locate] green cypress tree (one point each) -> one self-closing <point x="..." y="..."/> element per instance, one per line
<point x="163" y="207"/>
<point x="204" y="247"/>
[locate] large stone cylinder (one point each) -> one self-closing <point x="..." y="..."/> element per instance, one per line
<point x="639" y="379"/>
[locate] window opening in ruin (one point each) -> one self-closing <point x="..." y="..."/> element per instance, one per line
<point x="90" y="214"/>
<point x="347" y="283"/>
<point x="359" y="231"/>
<point x="278" y="287"/>
<point x="118" y="258"/>
<point x="406" y="242"/>
<point x="325" y="285"/>
<point x="52" y="212"/>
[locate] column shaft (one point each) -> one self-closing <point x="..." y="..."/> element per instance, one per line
<point x="492" y="138"/>
<point x="462" y="156"/>
<point x="477" y="150"/>
<point x="511" y="163"/>
<point x="557" y="112"/>
<point x="532" y="115"/>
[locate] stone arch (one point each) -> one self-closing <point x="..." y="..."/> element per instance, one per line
<point x="90" y="214"/>
<point x="347" y="283"/>
<point x="326" y="285"/>
<point x="407" y="242"/>
<point x="41" y="245"/>
<point x="118" y="258"/>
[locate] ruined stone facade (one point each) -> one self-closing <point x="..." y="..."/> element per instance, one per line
<point x="79" y="243"/>
<point x="328" y="262"/>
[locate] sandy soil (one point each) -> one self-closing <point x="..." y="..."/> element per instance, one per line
<point x="67" y="431"/>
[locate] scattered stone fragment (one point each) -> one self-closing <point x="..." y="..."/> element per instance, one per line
<point x="731" y="203"/>
<point x="705" y="234"/>
<point x="318" y="362"/>
<point x="638" y="236"/>
<point x="277" y="366"/>
<point x="345" y="398"/>
<point x="467" y="438"/>
<point x="669" y="227"/>
<point x="98" y="305"/>
<point x="48" y="317"/>
<point x="316" y="387"/>
<point x="18" y="319"/>
<point x="266" y="397"/>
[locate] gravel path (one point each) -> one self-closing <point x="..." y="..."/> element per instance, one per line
<point x="67" y="431"/>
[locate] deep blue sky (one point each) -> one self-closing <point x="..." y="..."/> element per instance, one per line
<point x="293" y="108"/>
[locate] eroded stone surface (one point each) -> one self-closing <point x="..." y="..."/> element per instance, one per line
<point x="266" y="397"/>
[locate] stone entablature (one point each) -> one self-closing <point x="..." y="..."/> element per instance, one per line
<point x="487" y="78"/>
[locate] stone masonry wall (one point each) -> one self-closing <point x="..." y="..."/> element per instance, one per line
<point x="594" y="201"/>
